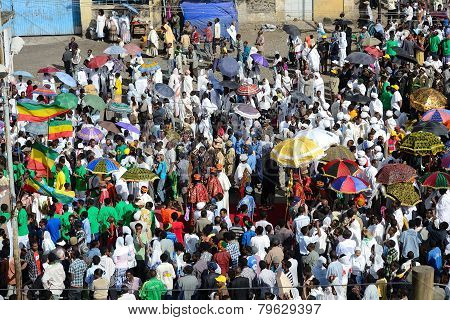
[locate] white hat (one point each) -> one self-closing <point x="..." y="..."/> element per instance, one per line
<point x="374" y="95"/>
<point x="364" y="115"/>
<point x="80" y="146"/>
<point x="326" y="106"/>
<point x="326" y="123"/>
<point x="347" y="117"/>
<point x="200" y="205"/>
<point x="137" y="216"/>
<point x="369" y="144"/>
<point x="379" y="155"/>
<point x="365" y="109"/>
<point x="389" y="114"/>
<point x="243" y="157"/>
<point x="373" y="120"/>
<point x="362" y="161"/>
<point x="360" y="153"/>
<point x="377" y="148"/>
<point x="340" y="115"/>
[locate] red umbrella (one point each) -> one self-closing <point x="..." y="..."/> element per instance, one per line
<point x="247" y="89"/>
<point x="338" y="168"/>
<point x="48" y="70"/>
<point x="437" y="180"/>
<point x="395" y="173"/>
<point x="132" y="49"/>
<point x="97" y="62"/>
<point x="373" y="51"/>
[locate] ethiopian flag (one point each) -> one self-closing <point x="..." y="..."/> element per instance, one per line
<point x="59" y="129"/>
<point x="42" y="159"/>
<point x="33" y="185"/>
<point x="38" y="112"/>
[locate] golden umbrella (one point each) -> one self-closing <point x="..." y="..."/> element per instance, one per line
<point x="425" y="99"/>
<point x="136" y="174"/>
<point x="403" y="192"/>
<point x="296" y="152"/>
<point x="172" y="135"/>
<point x="422" y="143"/>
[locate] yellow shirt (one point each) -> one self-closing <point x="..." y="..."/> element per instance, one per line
<point x="353" y="114"/>
<point x="60" y="180"/>
<point x="118" y="87"/>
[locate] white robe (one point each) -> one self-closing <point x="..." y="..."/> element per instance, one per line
<point x="101" y="21"/>
<point x="226" y="185"/>
<point x="443" y="208"/>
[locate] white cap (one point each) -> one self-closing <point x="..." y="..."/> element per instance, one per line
<point x="347" y="117"/>
<point x="365" y="109"/>
<point x="389" y="113"/>
<point x="326" y="106"/>
<point x="377" y="148"/>
<point x="80" y="146"/>
<point x="340" y="115"/>
<point x="326" y="123"/>
<point x="362" y="161"/>
<point x="364" y="115"/>
<point x="373" y="120"/>
<point x="200" y="205"/>
<point x="369" y="144"/>
<point x="243" y="157"/>
<point x="379" y="155"/>
<point x="360" y="153"/>
<point x="374" y="95"/>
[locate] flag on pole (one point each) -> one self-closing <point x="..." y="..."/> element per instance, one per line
<point x="38" y="112"/>
<point x="42" y="159"/>
<point x="33" y="185"/>
<point x="59" y="129"/>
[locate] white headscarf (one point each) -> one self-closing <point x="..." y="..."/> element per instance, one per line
<point x="131" y="251"/>
<point x="371" y="293"/>
<point x="47" y="243"/>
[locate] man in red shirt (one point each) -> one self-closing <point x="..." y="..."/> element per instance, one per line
<point x="195" y="38"/>
<point x="208" y="40"/>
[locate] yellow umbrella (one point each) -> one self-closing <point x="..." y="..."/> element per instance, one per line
<point x="425" y="99"/>
<point x="296" y="152"/>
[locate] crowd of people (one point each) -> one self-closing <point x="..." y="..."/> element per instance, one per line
<point x="221" y="217"/>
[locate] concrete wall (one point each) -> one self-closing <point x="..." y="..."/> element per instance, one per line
<point x="253" y="11"/>
<point x="327" y="9"/>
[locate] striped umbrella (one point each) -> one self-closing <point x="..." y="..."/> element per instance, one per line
<point x="247" y="90"/>
<point x="338" y="168"/>
<point x="132" y="49"/>
<point x="119" y="107"/>
<point x="149" y="67"/>
<point x="103" y="166"/>
<point x="395" y="173"/>
<point x="437" y="180"/>
<point x="296" y="152"/>
<point x="246" y="111"/>
<point x="445" y="161"/>
<point x="438" y="115"/>
<point x="45" y="92"/>
<point x="139" y="174"/>
<point x="349" y="185"/>
<point x="88" y="133"/>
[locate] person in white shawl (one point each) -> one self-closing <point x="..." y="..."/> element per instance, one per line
<point x="188" y="82"/>
<point x="153" y="42"/>
<point x="320" y="271"/>
<point x="154" y="254"/>
<point x="226" y="185"/>
<point x="231" y="30"/>
<point x="313" y="58"/>
<point x="157" y="77"/>
<point x="319" y="85"/>
<point x="175" y="85"/>
<point x="358" y="265"/>
<point x="371" y="292"/>
<point x="100" y="26"/>
<point x="47" y="243"/>
<point x="202" y="81"/>
<point x="129" y="243"/>
<point x="132" y="92"/>
<point x="286" y="82"/>
<point x="443" y="207"/>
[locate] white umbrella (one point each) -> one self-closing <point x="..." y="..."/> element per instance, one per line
<point x="246" y="111"/>
<point x="323" y="138"/>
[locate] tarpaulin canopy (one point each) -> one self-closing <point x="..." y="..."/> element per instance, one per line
<point x="199" y="12"/>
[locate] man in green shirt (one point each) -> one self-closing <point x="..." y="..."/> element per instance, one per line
<point x="434" y="43"/>
<point x="120" y="150"/>
<point x="120" y="206"/>
<point x="4" y="211"/>
<point x="93" y="219"/>
<point x="153" y="289"/>
<point x="386" y="98"/>
<point x="128" y="211"/>
<point x="65" y="223"/>
<point x="391" y="43"/>
<point x="105" y="212"/>
<point x="22" y="220"/>
<point x="80" y="180"/>
<point x="446" y="49"/>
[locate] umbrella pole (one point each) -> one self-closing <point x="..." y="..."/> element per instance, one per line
<point x="288" y="192"/>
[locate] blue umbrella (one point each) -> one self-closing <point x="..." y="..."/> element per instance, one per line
<point x="128" y="126"/>
<point x="25" y="74"/>
<point x="115" y="50"/>
<point x="130" y="8"/>
<point x="216" y="83"/>
<point x="66" y="79"/>
<point x="259" y="59"/>
<point x="164" y="90"/>
<point x="229" y="67"/>
<point x="103" y="166"/>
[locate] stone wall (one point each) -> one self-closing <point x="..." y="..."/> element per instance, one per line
<point x="261" y="6"/>
<point x="260" y="11"/>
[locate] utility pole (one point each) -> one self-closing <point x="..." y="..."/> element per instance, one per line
<point x="12" y="192"/>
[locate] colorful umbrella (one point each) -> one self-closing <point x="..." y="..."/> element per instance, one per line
<point x="164" y="90"/>
<point x="88" y="133"/>
<point x="66" y="79"/>
<point x="340" y="168"/>
<point x="405" y="193"/>
<point x="437" y="115"/>
<point x="21" y="73"/>
<point x="44" y="92"/>
<point x="108" y="125"/>
<point x="103" y="166"/>
<point x="323" y="138"/>
<point x="228" y="66"/>
<point x="425" y="99"/>
<point x="119" y="107"/>
<point x="139" y="174"/>
<point x="349" y="185"/>
<point x="296" y="152"/>
<point x="128" y="126"/>
<point x="66" y="100"/>
<point x="94" y="101"/>
<point x="445" y="161"/>
<point x="97" y="62"/>
<point x="373" y="51"/>
<point x="422" y="143"/>
<point x="48" y="70"/>
<point x="132" y="49"/>
<point x="433" y="127"/>
<point x="395" y="173"/>
<point x="370" y="42"/>
<point x="338" y="152"/>
<point x="259" y="59"/>
<point x="246" y="111"/>
<point x="247" y="89"/>
<point x="115" y="50"/>
<point x="437" y="180"/>
<point x="149" y="67"/>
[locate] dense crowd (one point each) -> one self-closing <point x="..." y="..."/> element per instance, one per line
<point x="214" y="182"/>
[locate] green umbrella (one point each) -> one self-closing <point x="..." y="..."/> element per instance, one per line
<point x="119" y="107"/>
<point x="94" y="101"/>
<point x="139" y="174"/>
<point x="403" y="192"/>
<point x="66" y="100"/>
